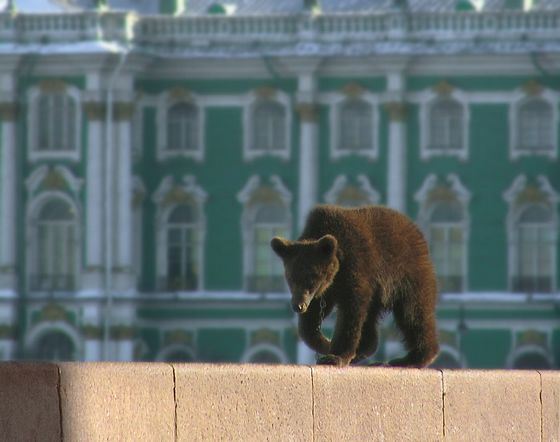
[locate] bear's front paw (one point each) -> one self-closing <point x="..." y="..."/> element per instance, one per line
<point x="330" y="359"/>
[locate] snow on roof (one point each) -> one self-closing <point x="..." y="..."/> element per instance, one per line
<point x="263" y="7"/>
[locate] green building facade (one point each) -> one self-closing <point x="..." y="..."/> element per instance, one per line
<point x="147" y="158"/>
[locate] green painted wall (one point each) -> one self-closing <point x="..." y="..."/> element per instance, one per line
<point x="486" y="348"/>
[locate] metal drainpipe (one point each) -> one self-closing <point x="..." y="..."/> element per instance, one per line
<point x="109" y="204"/>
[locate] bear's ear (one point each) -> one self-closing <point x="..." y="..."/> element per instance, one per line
<point x="280" y="246"/>
<point x="327" y="245"/>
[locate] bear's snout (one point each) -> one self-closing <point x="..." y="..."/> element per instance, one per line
<point x="300" y="307"/>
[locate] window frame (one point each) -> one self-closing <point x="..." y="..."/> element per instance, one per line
<point x="521" y="99"/>
<point x="427" y="101"/>
<point x="336" y="107"/>
<point x="34" y="247"/>
<point x="250" y="102"/>
<point x="34" y="118"/>
<point x="165" y="102"/>
<point x="163" y="198"/>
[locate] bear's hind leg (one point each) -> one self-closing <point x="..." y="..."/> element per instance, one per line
<point x="418" y="326"/>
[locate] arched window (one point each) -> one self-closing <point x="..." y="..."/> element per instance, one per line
<point x="182" y="235"/>
<point x="446" y="125"/>
<point x="534" y="250"/>
<point x="266" y="272"/>
<point x="55" y="255"/>
<point x="269" y="126"/>
<point x="535" y="126"/>
<point x="265" y="357"/>
<point x="355" y="126"/>
<point x="182" y="127"/>
<point x="54" y="346"/>
<point x="447" y="245"/>
<point x="57" y="122"/>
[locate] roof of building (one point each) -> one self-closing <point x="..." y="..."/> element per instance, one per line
<point x="262" y="7"/>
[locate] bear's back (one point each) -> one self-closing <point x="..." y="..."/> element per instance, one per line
<point x="375" y="234"/>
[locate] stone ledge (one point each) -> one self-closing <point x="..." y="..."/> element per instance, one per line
<point x="158" y="401"/>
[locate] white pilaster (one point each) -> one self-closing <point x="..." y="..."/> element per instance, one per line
<point x="94" y="203"/>
<point x="396" y="176"/>
<point x="8" y="197"/>
<point x="123" y="202"/>
<point x="308" y="169"/>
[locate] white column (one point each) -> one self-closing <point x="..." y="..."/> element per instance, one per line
<point x="93" y="278"/>
<point x="396" y="109"/>
<point x="396" y="186"/>
<point x="123" y="200"/>
<point x="8" y="198"/>
<point x="308" y="170"/>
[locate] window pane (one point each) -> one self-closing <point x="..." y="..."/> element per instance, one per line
<point x="269" y="123"/>
<point x="535" y="125"/>
<point x="355" y="125"/>
<point x="446" y="125"/>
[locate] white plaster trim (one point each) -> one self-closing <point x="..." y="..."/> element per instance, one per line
<point x="164" y="103"/>
<point x="341" y="182"/>
<point x="199" y="196"/>
<point x="33" y="126"/>
<point x="251" y="352"/>
<point x="517" y="99"/>
<point x="335" y="102"/>
<point x="426" y="100"/>
<point x="249" y="102"/>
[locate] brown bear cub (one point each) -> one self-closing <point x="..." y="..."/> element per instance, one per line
<point x="364" y="261"/>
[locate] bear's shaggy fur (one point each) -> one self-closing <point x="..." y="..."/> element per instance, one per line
<point x="365" y="261"/>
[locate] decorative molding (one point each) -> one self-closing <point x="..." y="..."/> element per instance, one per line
<point x="180" y="93"/>
<point x="8" y="112"/>
<point x="532" y="88"/>
<point x="123" y="111"/>
<point x="178" y="336"/>
<point x="266" y="93"/>
<point x="53" y="312"/>
<point x="254" y="190"/>
<point x="57" y="178"/>
<point x="396" y="110"/>
<point x="342" y="189"/>
<point x="95" y="111"/>
<point x="52" y="85"/>
<point x="308" y="112"/>
<point x="264" y="336"/>
<point x="122" y="332"/>
<point x="443" y="88"/>
<point x="353" y="90"/>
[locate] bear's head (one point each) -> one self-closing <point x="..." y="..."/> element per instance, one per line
<point x="310" y="267"/>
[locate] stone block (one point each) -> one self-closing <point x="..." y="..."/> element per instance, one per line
<point x="117" y="401"/>
<point x="29" y="405"/>
<point x="492" y="405"/>
<point x="358" y="404"/>
<point x="551" y="405"/>
<point x="243" y="402"/>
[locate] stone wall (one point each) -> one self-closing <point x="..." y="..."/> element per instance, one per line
<point x="136" y="401"/>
